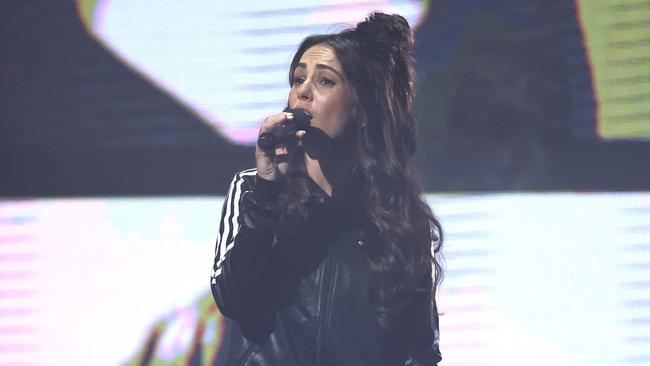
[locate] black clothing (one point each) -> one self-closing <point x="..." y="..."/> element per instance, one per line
<point x="299" y="290"/>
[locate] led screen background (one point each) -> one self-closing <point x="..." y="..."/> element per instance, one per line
<point x="121" y="124"/>
<point x="534" y="279"/>
<point x="116" y="97"/>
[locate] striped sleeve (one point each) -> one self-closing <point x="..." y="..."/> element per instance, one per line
<point x="228" y="223"/>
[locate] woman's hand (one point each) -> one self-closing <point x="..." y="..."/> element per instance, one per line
<point x="273" y="166"/>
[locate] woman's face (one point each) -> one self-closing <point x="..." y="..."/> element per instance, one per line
<point x="320" y="87"/>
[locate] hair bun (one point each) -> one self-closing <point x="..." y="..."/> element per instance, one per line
<point x="386" y="31"/>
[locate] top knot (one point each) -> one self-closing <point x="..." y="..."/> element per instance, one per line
<point x="387" y="32"/>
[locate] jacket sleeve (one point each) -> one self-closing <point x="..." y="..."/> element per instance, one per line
<point x="257" y="261"/>
<point x="424" y="321"/>
<point x="423" y="324"/>
<point x="248" y="217"/>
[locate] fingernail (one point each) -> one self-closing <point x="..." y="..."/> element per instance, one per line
<point x="281" y="150"/>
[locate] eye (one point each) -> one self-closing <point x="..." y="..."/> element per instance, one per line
<point x="298" y="80"/>
<point x="327" y="82"/>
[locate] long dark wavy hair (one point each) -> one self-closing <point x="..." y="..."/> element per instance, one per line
<point x="379" y="67"/>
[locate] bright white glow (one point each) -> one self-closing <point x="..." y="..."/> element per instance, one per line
<point x="532" y="279"/>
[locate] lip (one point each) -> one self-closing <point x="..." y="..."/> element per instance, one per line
<point x="311" y="115"/>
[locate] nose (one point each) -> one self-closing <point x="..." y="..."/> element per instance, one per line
<point x="304" y="91"/>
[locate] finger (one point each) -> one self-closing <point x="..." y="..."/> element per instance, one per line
<point x="281" y="150"/>
<point x="275" y="119"/>
<point x="282" y="165"/>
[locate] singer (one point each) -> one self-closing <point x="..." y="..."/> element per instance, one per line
<point x="327" y="253"/>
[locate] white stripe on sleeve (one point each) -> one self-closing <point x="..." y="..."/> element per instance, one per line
<point x="229" y="225"/>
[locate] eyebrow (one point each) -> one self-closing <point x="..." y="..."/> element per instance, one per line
<point x="322" y="66"/>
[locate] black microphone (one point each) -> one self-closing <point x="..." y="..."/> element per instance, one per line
<point x="281" y="132"/>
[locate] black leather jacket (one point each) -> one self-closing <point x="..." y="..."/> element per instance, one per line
<point x="296" y="292"/>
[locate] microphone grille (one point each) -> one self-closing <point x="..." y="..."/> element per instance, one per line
<point x="301" y="117"/>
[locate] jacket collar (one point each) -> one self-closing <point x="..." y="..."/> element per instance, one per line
<point x="347" y="201"/>
<point x="349" y="189"/>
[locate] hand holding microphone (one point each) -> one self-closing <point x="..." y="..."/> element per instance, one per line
<point x="276" y="136"/>
<point x="281" y="132"/>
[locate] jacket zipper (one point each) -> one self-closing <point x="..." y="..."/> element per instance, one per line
<point x="327" y="304"/>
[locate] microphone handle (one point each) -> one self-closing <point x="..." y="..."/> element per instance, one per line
<point x="281" y="133"/>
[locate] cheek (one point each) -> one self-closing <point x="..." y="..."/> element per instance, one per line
<point x="292" y="98"/>
<point x="343" y="107"/>
<point x="340" y="117"/>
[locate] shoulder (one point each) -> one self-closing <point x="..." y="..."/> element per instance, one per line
<point x="266" y="192"/>
<point x="246" y="173"/>
<point x="242" y="180"/>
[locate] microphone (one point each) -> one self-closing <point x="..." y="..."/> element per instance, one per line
<point x="281" y="132"/>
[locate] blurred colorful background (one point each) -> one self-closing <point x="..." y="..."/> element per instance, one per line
<point x="122" y="122"/>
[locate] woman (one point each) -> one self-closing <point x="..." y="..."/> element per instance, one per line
<point x="325" y="251"/>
